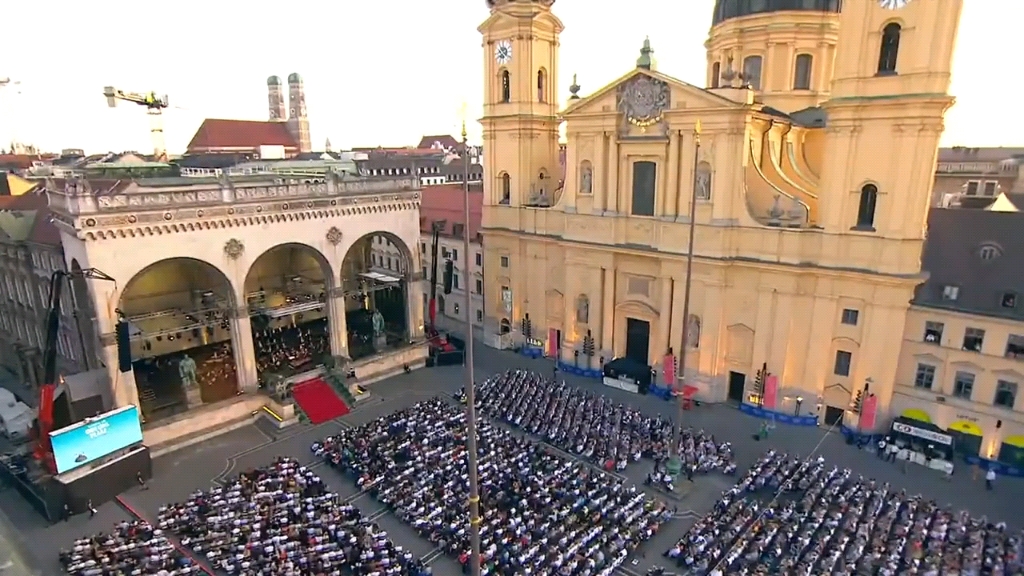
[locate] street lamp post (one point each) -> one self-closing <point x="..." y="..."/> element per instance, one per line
<point x="675" y="462"/>
<point x="474" y="481"/>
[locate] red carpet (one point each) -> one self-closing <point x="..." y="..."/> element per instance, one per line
<point x="318" y="400"/>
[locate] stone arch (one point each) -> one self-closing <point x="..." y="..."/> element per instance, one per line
<point x="287" y="292"/>
<point x="180" y="311"/>
<point x="641" y="310"/>
<point x="375" y="280"/>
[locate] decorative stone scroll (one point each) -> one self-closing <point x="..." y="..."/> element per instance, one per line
<point x="334" y="236"/>
<point x="234" y="248"/>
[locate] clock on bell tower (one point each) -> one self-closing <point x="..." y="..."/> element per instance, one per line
<point x="520" y="121"/>
<point x="890" y="93"/>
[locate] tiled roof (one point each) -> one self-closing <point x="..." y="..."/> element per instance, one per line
<point x="215" y="133"/>
<point x="445" y="202"/>
<point x="27" y="218"/>
<point x="979" y="252"/>
<point x="966" y="154"/>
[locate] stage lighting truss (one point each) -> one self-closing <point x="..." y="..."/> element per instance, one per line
<point x="180" y="321"/>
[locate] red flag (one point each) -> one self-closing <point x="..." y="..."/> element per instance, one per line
<point x="553" y="343"/>
<point x="868" y="412"/>
<point x="771" y="392"/>
<point x="669" y="369"/>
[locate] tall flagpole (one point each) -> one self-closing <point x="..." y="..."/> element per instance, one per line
<point x="474" y="481"/>
<point x="675" y="463"/>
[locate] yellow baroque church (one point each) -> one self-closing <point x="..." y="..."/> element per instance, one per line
<point x="809" y="180"/>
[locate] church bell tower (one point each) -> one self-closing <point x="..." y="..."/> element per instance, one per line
<point x="298" y="122"/>
<point x="889" y="95"/>
<point x="520" y="121"/>
<point x="275" y="98"/>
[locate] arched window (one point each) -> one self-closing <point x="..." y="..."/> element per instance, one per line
<point x="890" y="49"/>
<point x="866" y="206"/>
<point x="716" y="74"/>
<point x="802" y="72"/>
<point x="506" y="87"/>
<point x="540" y="86"/>
<point x="506" y="188"/>
<point x="752" y="72"/>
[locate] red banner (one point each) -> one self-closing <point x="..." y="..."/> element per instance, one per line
<point x="771" y="392"/>
<point x="552" y="343"/>
<point x="868" y="412"/>
<point x="668" y="368"/>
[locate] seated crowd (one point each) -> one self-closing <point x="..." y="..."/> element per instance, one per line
<point x="542" y="514"/>
<point x="281" y="520"/>
<point x="592" y="426"/>
<point x="804" y="518"/>
<point x="132" y="548"/>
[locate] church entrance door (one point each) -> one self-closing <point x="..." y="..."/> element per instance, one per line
<point x="638" y="340"/>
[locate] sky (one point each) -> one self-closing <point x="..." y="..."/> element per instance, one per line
<point x="376" y="73"/>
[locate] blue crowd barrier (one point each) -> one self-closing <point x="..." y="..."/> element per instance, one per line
<point x="531" y="352"/>
<point x="1000" y="468"/>
<point x="778" y="416"/>
<point x="579" y="370"/>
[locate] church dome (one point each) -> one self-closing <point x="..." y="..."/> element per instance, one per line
<point x="729" y="9"/>
<point x="496" y="3"/>
<point x="274" y="81"/>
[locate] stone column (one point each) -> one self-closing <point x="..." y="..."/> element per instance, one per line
<point x="337" y="324"/>
<point x="414" y="304"/>
<point x="244" y="350"/>
<point x="611" y="190"/>
<point x="599" y="178"/>
<point x="608" y="315"/>
<point x="671" y="193"/>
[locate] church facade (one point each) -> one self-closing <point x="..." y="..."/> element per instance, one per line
<point x="806" y="164"/>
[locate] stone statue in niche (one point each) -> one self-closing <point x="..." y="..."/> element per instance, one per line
<point x="702" y="181"/>
<point x="693" y="331"/>
<point x="586" y="179"/>
<point x="583" y="309"/>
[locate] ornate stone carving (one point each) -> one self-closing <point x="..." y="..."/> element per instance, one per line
<point x="642" y="101"/>
<point x="234" y="248"/>
<point x="586" y="178"/>
<point x="334" y="235"/>
<point x="582" y="309"/>
<point x="693" y="331"/>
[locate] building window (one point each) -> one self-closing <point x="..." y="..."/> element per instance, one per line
<point x="479" y="259"/>
<point x="1009" y="300"/>
<point x="933" y="332"/>
<point x="950" y="292"/>
<point x="988" y="252"/>
<point x="866" y="207"/>
<point x="716" y="74"/>
<point x="455" y="281"/>
<point x="973" y="339"/>
<point x="479" y="286"/>
<point x="389" y="262"/>
<point x="990" y="188"/>
<point x="455" y="254"/>
<point x="540" y="86"/>
<point x="752" y="72"/>
<point x="1006" y="394"/>
<point x="850" y="316"/>
<point x="802" y="72"/>
<point x="972" y="188"/>
<point x="479" y="315"/>
<point x="423" y="247"/>
<point x="644" y="181"/>
<point x="506" y="188"/>
<point x="890" y="49"/>
<point x="506" y="87"/>
<point x="963" y="385"/>
<point x="843" y="361"/>
<point x="503" y="261"/>
<point x="925" y="376"/>
<point x="1015" y="347"/>
<point x="458" y="230"/>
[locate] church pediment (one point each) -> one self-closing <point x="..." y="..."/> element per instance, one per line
<point x="675" y="95"/>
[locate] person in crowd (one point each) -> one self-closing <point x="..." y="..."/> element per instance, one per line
<point x="804" y="518"/>
<point x="282" y="521"/>
<point x="541" y="514"/>
<point x="134" y="548"/>
<point x="592" y="426"/>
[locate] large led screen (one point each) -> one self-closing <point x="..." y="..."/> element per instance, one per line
<point x="94" y="438"/>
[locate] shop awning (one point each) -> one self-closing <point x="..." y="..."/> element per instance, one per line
<point x="916" y="414"/>
<point x="965" y="427"/>
<point x="918" y="429"/>
<point x="1016" y="441"/>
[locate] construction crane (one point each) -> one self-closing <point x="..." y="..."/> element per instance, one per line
<point x="154" y="107"/>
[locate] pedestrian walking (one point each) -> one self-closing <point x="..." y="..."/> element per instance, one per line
<point x="92" y="509"/>
<point x="881" y="449"/>
<point x="66" y="512"/>
<point x="141" y="481"/>
<point x="893" y="450"/>
<point x="990" y="478"/>
<point x="949" y="474"/>
<point x="904" y="457"/>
